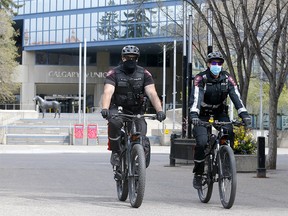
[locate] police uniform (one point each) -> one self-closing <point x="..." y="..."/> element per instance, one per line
<point x="130" y="94"/>
<point x="209" y="97"/>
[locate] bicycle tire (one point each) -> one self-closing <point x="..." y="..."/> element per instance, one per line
<point x="227" y="176"/>
<point x="205" y="192"/>
<point x="136" y="181"/>
<point x="122" y="184"/>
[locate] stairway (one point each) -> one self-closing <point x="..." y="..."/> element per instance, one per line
<point x="49" y="130"/>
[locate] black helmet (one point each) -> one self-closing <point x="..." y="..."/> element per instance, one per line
<point x="130" y="49"/>
<point x="214" y="55"/>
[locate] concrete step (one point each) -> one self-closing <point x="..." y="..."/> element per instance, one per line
<point x="37" y="139"/>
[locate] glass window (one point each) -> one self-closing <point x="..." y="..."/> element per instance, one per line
<point x="81" y="3"/>
<point x="66" y="4"/>
<point x="73" y="4"/>
<point x="53" y="5"/>
<point x="40" y="7"/>
<point x="59" y="4"/>
<point x="59" y="36"/>
<point x="59" y="22"/>
<point x="94" y="3"/>
<point x="46" y="23"/>
<point x="68" y="59"/>
<point x="52" y="37"/>
<point x="27" y="7"/>
<point x="32" y="37"/>
<point x="91" y="59"/>
<point x="39" y="24"/>
<point x="39" y="38"/>
<point x="46" y="37"/>
<point x="79" y="34"/>
<point x="53" y="59"/>
<point x="87" y="3"/>
<point x="73" y="21"/>
<point x="66" y="36"/>
<point x="87" y="20"/>
<point x="41" y="58"/>
<point x="66" y="22"/>
<point x="80" y="21"/>
<point x="87" y="34"/>
<point x="46" y="5"/>
<point x="52" y="23"/>
<point x="33" y="6"/>
<point x="115" y="59"/>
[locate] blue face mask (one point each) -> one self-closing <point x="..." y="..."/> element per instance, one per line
<point x="215" y="69"/>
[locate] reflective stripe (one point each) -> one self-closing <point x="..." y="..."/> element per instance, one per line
<point x="196" y="98"/>
<point x="117" y="138"/>
<point x="199" y="161"/>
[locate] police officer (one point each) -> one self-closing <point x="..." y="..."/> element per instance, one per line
<point x="127" y="85"/>
<point x="209" y="95"/>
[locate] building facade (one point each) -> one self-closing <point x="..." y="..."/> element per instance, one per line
<point x="51" y="32"/>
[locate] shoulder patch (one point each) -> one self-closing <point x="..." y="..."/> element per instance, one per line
<point x="197" y="80"/>
<point x="147" y="72"/>
<point x="232" y="81"/>
<point x="110" y="72"/>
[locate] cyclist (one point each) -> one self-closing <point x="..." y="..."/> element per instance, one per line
<point x="128" y="85"/>
<point x="209" y="95"/>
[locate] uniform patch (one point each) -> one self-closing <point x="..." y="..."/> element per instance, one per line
<point x="197" y="79"/>
<point x="232" y="81"/>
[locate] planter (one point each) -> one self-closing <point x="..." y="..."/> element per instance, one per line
<point x="246" y="163"/>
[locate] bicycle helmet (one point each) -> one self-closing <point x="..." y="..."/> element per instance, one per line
<point x="130" y="50"/>
<point x="214" y="55"/>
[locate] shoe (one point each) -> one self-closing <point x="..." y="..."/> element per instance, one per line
<point x="197" y="181"/>
<point x="115" y="159"/>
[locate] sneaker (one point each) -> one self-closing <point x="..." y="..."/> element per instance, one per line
<point x="197" y="181"/>
<point x="115" y="159"/>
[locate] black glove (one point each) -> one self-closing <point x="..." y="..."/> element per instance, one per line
<point x="105" y="113"/>
<point x="160" y="116"/>
<point x="194" y="118"/>
<point x="245" y="118"/>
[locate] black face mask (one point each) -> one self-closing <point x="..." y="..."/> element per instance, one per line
<point x="129" y="66"/>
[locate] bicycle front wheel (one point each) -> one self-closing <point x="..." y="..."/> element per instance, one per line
<point x="206" y="189"/>
<point x="227" y="176"/>
<point x="136" y="181"/>
<point x="122" y="182"/>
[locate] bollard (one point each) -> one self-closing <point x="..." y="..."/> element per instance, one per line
<point x="261" y="170"/>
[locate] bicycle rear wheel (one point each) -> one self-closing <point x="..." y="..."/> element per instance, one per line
<point x="122" y="182"/>
<point x="206" y="189"/>
<point x="136" y="181"/>
<point x="227" y="176"/>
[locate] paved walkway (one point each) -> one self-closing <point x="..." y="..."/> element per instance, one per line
<point x="28" y="149"/>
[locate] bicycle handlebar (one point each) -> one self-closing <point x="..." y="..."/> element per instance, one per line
<point x="130" y="117"/>
<point x="220" y="124"/>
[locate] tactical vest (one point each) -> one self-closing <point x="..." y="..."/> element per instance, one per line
<point x="129" y="90"/>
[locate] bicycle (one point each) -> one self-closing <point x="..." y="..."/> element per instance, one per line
<point x="130" y="176"/>
<point x="220" y="165"/>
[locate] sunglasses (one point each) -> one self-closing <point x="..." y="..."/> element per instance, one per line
<point x="216" y="63"/>
<point x="134" y="58"/>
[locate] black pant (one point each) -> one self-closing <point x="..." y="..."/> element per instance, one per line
<point x="200" y="133"/>
<point x="115" y="125"/>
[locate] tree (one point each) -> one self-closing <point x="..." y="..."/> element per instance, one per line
<point x="108" y="23"/>
<point x="8" y="5"/>
<point x="230" y="38"/>
<point x="8" y="55"/>
<point x="138" y="24"/>
<point x="270" y="43"/>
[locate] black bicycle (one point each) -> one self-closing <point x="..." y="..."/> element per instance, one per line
<point x="220" y="165"/>
<point x="130" y="176"/>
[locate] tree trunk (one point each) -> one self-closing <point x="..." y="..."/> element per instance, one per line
<point x="272" y="139"/>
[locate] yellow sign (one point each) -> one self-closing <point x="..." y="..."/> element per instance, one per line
<point x="166" y="131"/>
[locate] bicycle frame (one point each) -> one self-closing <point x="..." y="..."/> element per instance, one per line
<point x="221" y="165"/>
